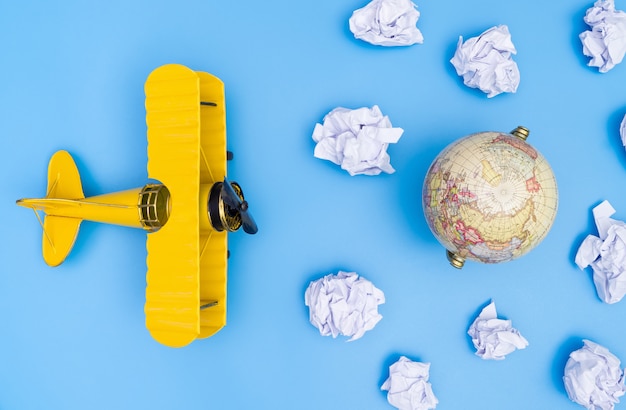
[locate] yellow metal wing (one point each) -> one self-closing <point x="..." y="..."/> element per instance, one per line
<point x="187" y="153"/>
<point x="213" y="266"/>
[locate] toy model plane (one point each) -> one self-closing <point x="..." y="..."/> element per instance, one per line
<point x="187" y="215"/>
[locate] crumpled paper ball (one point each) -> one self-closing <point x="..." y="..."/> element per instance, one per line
<point x="494" y="338"/>
<point x="593" y="377"/>
<point x="485" y="62"/>
<point x="606" y="254"/>
<point x="408" y="387"/>
<point x="605" y="43"/>
<point x="357" y="140"/>
<point x="343" y="304"/>
<point x="387" y="23"/>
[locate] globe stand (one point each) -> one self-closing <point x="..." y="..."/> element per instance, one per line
<point x="521" y="132"/>
<point x="455" y="260"/>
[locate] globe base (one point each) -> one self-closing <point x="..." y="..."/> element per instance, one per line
<point x="455" y="260"/>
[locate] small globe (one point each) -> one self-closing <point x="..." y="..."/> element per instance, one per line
<point x="489" y="197"/>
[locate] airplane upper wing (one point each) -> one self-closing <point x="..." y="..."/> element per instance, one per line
<point x="173" y="118"/>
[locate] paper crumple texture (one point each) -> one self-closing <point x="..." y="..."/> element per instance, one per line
<point x="622" y="131"/>
<point x="357" y="140"/>
<point x="485" y="62"/>
<point x="606" y="254"/>
<point x="605" y="43"/>
<point x="387" y="23"/>
<point x="408" y="387"/>
<point x="343" y="304"/>
<point x="494" y="338"/>
<point x="593" y="377"/>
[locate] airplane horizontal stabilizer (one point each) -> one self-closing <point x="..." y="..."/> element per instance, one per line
<point x="59" y="235"/>
<point x="63" y="177"/>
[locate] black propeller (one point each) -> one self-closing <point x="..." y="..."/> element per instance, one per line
<point x="230" y="198"/>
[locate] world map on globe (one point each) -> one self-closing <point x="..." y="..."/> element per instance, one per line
<point x="489" y="197"/>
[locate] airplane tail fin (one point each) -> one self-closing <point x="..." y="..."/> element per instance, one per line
<point x="59" y="232"/>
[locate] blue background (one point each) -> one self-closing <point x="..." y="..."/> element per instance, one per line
<point x="72" y="77"/>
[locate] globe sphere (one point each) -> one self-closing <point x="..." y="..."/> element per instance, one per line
<point x="489" y="197"/>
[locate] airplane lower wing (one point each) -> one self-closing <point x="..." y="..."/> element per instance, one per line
<point x="213" y="260"/>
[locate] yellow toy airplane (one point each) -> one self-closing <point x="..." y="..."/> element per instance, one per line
<point x="187" y="215"/>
